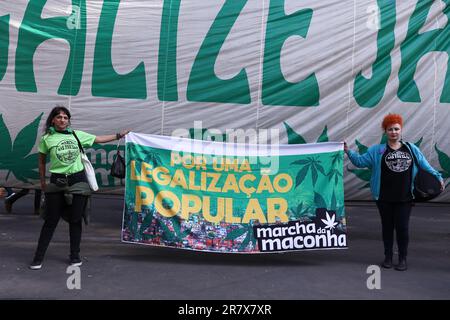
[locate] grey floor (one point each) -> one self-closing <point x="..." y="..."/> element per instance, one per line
<point x="113" y="270"/>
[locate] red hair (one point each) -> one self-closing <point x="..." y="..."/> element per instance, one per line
<point x="391" y="119"/>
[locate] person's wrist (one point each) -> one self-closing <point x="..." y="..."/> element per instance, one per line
<point x="118" y="136"/>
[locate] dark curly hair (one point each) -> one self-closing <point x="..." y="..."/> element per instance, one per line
<point x="55" y="111"/>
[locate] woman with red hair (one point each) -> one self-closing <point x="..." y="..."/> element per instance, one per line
<point x="391" y="184"/>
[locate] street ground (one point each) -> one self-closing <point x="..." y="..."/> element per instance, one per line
<point x="115" y="270"/>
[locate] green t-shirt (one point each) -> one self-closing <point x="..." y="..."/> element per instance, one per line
<point x="64" y="152"/>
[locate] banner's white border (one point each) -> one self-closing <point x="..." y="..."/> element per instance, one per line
<point x="230" y="149"/>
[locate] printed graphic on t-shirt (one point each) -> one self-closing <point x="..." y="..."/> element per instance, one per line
<point x="67" y="151"/>
<point x="398" y="161"/>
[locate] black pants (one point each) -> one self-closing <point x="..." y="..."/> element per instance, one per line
<point x="55" y="204"/>
<point x="395" y="216"/>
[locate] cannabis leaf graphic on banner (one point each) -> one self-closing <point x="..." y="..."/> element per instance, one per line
<point x="444" y="161"/>
<point x="295" y="138"/>
<point x="150" y="158"/>
<point x="299" y="212"/>
<point x="145" y="224"/>
<point x="310" y="164"/>
<point x="339" y="208"/>
<point x="154" y="159"/>
<point x="335" y="172"/>
<point x="236" y="233"/>
<point x="176" y="223"/>
<point x="138" y="233"/>
<point x="330" y="221"/>
<point x="319" y="201"/>
<point x="365" y="174"/>
<point x="15" y="157"/>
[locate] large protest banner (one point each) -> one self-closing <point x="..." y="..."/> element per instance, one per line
<point x="224" y="197"/>
<point x="313" y="70"/>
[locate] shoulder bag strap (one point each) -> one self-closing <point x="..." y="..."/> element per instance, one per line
<point x="79" y="143"/>
<point x="118" y="145"/>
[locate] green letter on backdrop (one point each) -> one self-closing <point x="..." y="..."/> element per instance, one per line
<point x="4" y="44"/>
<point x="416" y="46"/>
<point x="167" y="58"/>
<point x="203" y="83"/>
<point x="369" y="92"/>
<point x="106" y="82"/>
<point x="276" y="90"/>
<point x="34" y="30"/>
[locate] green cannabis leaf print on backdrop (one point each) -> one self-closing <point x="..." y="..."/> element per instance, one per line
<point x="15" y="156"/>
<point x="444" y="161"/>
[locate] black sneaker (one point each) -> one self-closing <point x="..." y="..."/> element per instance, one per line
<point x="402" y="265"/>
<point x="75" y="261"/>
<point x="36" y="265"/>
<point x="387" y="263"/>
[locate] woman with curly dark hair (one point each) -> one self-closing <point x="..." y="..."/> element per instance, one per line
<point x="68" y="182"/>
